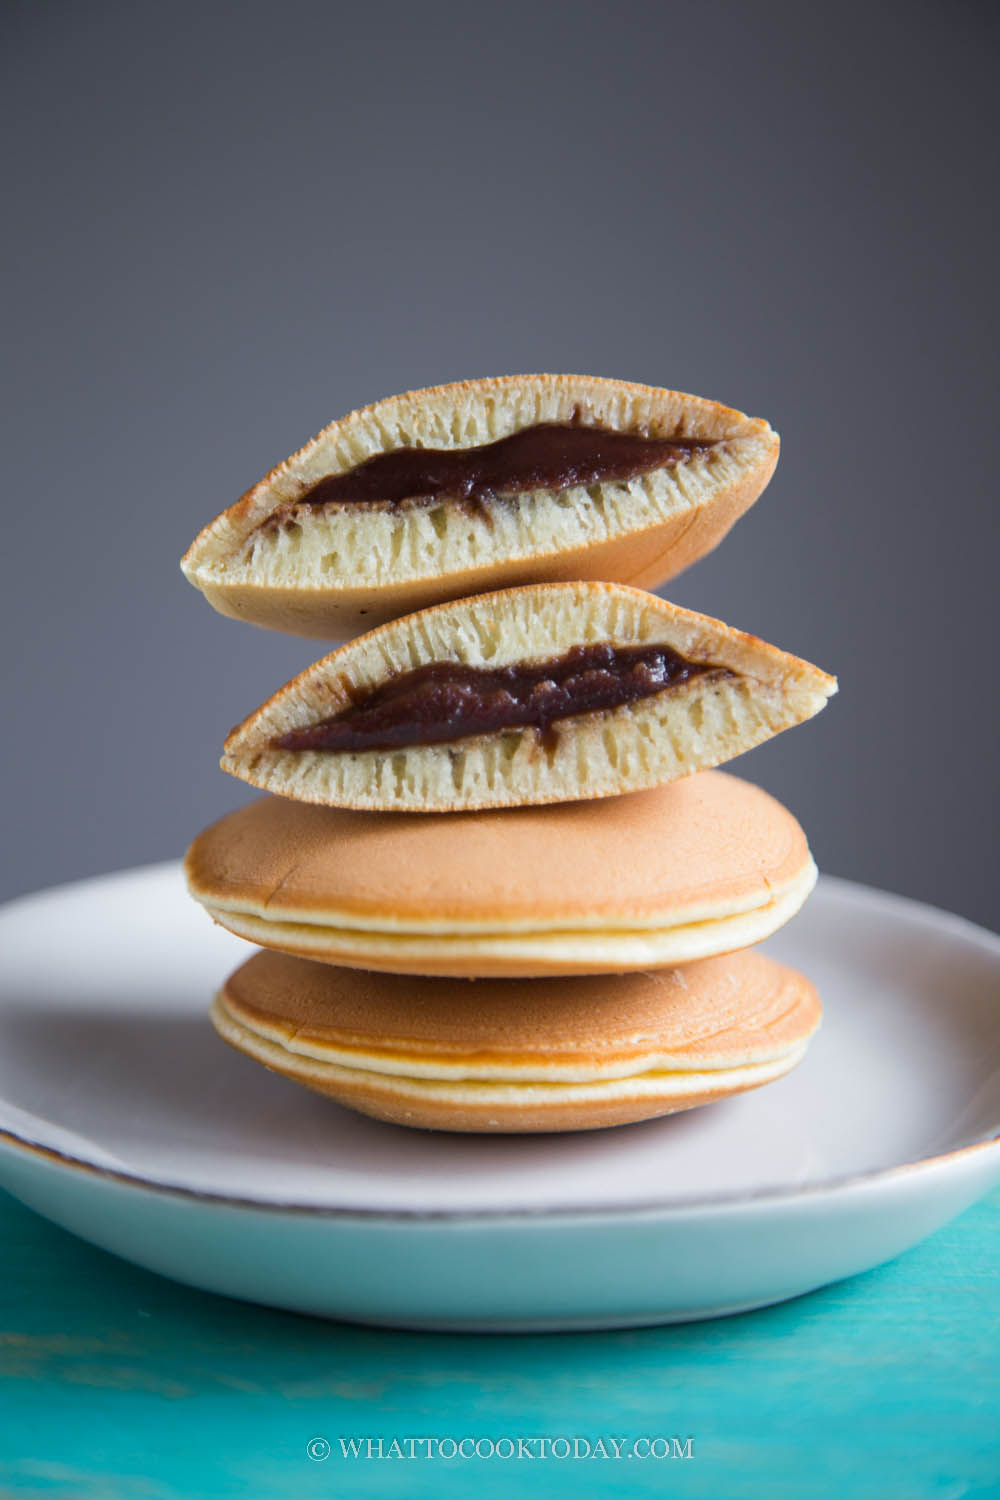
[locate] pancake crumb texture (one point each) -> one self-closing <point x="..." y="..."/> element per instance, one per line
<point x="330" y="570"/>
<point x="440" y="948"/>
<point x="758" y="692"/>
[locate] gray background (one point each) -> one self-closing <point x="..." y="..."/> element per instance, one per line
<point x="228" y="225"/>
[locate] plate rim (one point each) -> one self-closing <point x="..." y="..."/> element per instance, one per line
<point x="721" y="1202"/>
<point x="936" y="917"/>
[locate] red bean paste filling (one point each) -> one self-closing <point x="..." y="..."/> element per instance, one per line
<point x="445" y="701"/>
<point x="548" y="456"/>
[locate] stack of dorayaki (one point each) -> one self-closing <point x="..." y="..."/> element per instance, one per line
<point x="496" y="883"/>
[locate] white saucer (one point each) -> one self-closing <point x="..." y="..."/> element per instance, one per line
<point x="125" y="1119"/>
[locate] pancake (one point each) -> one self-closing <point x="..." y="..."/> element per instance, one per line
<point x="699" y="867"/>
<point x="481" y="485"/>
<point x="521" y="1055"/>
<point x="542" y="694"/>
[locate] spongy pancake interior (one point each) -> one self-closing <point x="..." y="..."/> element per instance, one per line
<point x="358" y="545"/>
<point x="746" y="691"/>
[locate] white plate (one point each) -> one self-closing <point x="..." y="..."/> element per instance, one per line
<point x="124" y="1118"/>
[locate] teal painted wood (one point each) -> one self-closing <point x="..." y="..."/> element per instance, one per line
<point x="118" y="1385"/>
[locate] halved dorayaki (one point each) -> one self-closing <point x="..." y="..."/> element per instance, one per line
<point x="521" y="1055"/>
<point x="548" y="693"/>
<point x="703" y="866"/>
<point x="481" y="485"/>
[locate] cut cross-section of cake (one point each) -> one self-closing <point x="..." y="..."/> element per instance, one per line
<point x="480" y="485"/>
<point x="549" y="693"/>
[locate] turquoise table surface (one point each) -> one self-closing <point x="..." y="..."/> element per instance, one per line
<point x="116" y="1383"/>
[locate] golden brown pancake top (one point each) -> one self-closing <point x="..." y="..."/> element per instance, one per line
<point x="710" y="1013"/>
<point x="711" y="841"/>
